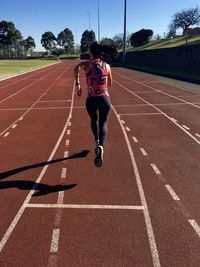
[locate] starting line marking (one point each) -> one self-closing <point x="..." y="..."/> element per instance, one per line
<point x="55" y="240"/>
<point x="79" y="206"/>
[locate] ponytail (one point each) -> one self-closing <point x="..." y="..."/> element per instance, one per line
<point x="103" y="51"/>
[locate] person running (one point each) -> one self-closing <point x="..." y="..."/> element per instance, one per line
<point x="98" y="105"/>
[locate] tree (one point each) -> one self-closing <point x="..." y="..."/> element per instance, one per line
<point x="108" y="42"/>
<point x="141" y="37"/>
<point x="119" y="40"/>
<point x="10" y="38"/>
<point x="66" y="40"/>
<point x="48" y="41"/>
<point x="185" y="19"/>
<point x="88" y="37"/>
<point x="29" y="43"/>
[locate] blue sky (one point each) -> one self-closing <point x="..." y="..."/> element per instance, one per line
<point x="34" y="17"/>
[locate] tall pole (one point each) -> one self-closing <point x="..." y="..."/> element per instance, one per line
<point x="98" y="24"/>
<point x="124" y="46"/>
<point x="89" y="18"/>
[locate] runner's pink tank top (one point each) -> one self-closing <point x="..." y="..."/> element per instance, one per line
<point x="97" y="78"/>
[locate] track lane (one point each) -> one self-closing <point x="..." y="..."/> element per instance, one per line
<point x="126" y="227"/>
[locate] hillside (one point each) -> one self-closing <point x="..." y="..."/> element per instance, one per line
<point x="163" y="43"/>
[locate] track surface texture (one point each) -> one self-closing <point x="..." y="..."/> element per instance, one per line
<point x="141" y="208"/>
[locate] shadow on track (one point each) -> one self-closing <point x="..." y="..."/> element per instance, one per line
<point x="42" y="189"/>
<point x="81" y="154"/>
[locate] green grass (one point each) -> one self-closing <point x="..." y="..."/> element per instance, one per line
<point x="178" y="41"/>
<point x="9" y="67"/>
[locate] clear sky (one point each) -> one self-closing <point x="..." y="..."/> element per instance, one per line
<point x="34" y="17"/>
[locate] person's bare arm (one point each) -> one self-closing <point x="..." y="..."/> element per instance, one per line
<point x="109" y="77"/>
<point x="77" y="69"/>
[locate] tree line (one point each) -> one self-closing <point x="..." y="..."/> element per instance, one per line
<point x="13" y="45"/>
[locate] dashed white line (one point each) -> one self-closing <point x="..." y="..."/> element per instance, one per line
<point x="55" y="240"/>
<point x="14" y="126"/>
<point x="198" y="135"/>
<point x="143" y="151"/>
<point x="184" y="126"/>
<point x="195" y="226"/>
<point x="6" y="134"/>
<point x="60" y="197"/>
<point x="64" y="173"/>
<point x="123" y="122"/>
<point x="68" y="132"/>
<point x="155" y="168"/>
<point x="134" y="139"/>
<point x="172" y="193"/>
<point x="70" y="123"/>
<point x="67" y="142"/>
<point x="128" y="129"/>
<point x="66" y="153"/>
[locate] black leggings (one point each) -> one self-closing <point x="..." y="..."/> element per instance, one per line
<point x="98" y="109"/>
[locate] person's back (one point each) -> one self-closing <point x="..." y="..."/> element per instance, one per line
<point x="97" y="76"/>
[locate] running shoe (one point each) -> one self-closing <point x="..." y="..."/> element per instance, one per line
<point x="99" y="156"/>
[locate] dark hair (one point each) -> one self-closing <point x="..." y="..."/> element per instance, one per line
<point x="103" y="51"/>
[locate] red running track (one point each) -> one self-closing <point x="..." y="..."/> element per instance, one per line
<point x="141" y="208"/>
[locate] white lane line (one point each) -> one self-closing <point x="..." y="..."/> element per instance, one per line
<point x="154" y="107"/>
<point x="195" y="226"/>
<point x="140" y="114"/>
<point x="82" y="206"/>
<point x="122" y="121"/>
<point x="68" y="132"/>
<point x="67" y="142"/>
<point x="17" y="217"/>
<point x="6" y="134"/>
<point x="155" y="168"/>
<point x="134" y="139"/>
<point x="64" y="173"/>
<point x="60" y="197"/>
<point x="149" y="227"/>
<point x="184" y="126"/>
<point x="55" y="240"/>
<point x="66" y="154"/>
<point x="173" y="120"/>
<point x="127" y="129"/>
<point x="172" y="193"/>
<point x="198" y="135"/>
<point x="14" y="126"/>
<point x="143" y="151"/>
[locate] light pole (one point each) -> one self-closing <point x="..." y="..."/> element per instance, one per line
<point x="89" y="18"/>
<point x="124" y="46"/>
<point x="98" y="24"/>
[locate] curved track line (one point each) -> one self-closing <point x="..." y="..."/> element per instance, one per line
<point x="152" y="242"/>
<point x="171" y="119"/>
<point x="39" y="178"/>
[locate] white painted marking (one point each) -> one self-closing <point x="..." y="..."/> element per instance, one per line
<point x="184" y="126"/>
<point x="14" y="126"/>
<point x="140" y="114"/>
<point x="195" y="226"/>
<point x="172" y="193"/>
<point x="123" y="122"/>
<point x="60" y="197"/>
<point x="68" y="132"/>
<point x="143" y="151"/>
<point x="6" y="134"/>
<point x="64" y="173"/>
<point x="80" y="206"/>
<point x="66" y="153"/>
<point x="55" y="240"/>
<point x="198" y="135"/>
<point x="17" y="217"/>
<point x="67" y="142"/>
<point x="134" y="139"/>
<point x="70" y="123"/>
<point x="128" y="129"/>
<point x="21" y="118"/>
<point x="173" y="120"/>
<point x="153" y="106"/>
<point x="149" y="228"/>
<point x="155" y="168"/>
